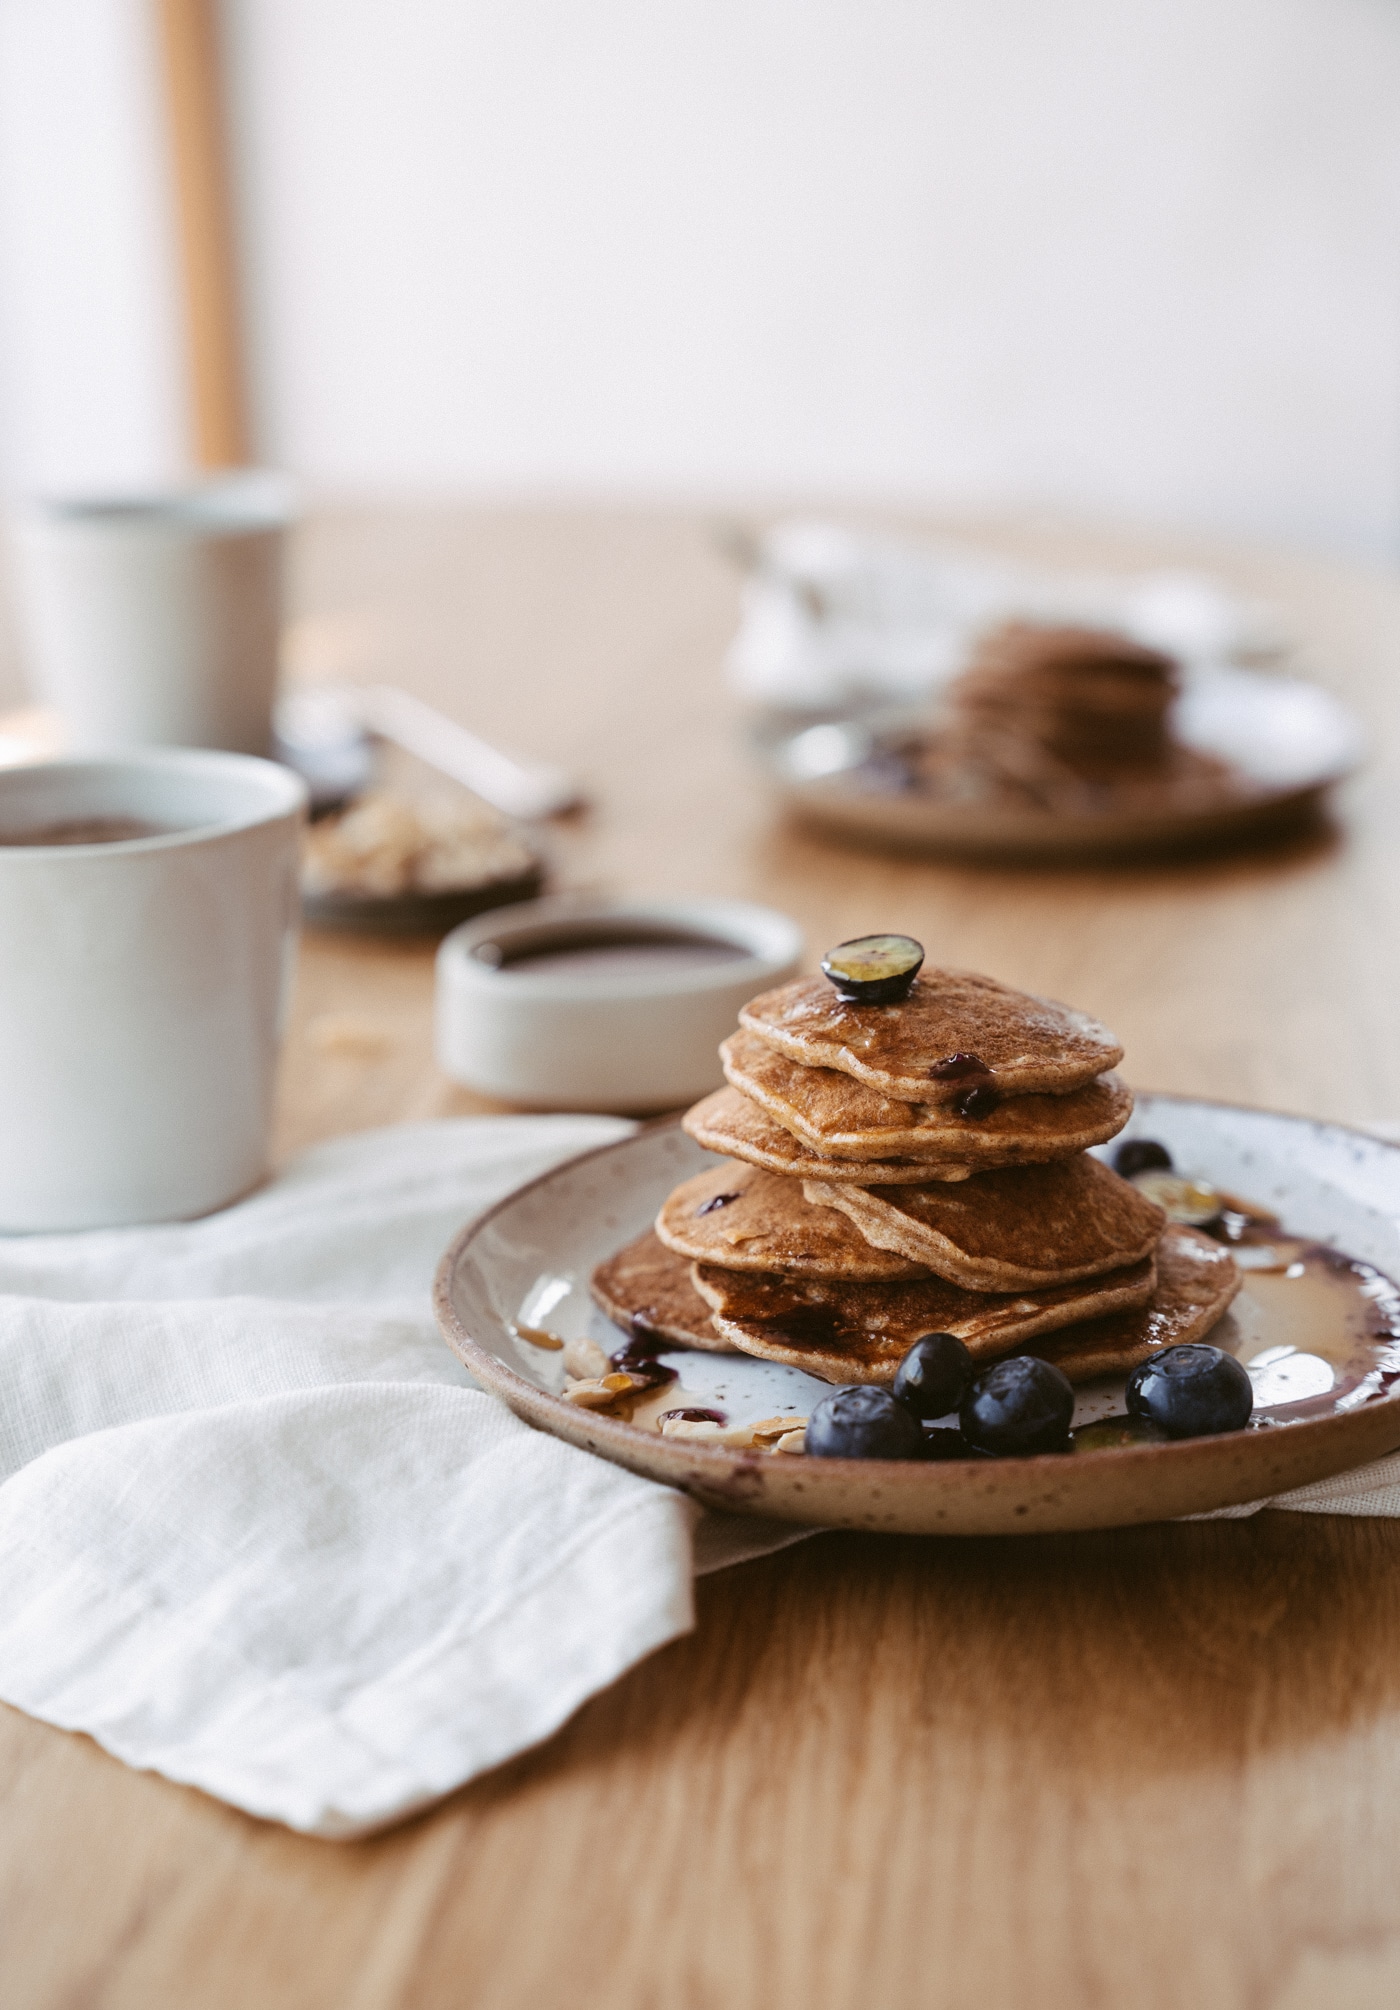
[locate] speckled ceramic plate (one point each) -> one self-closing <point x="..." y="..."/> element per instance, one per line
<point x="1286" y="742"/>
<point x="1316" y="1332"/>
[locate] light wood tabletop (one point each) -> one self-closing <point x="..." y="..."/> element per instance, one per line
<point x="1153" y="1768"/>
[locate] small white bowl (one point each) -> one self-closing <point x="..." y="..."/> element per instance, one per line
<point x="632" y="1032"/>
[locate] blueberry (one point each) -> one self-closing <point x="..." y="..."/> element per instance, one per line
<point x="1191" y="1391"/>
<point x="957" y="1067"/>
<point x="874" y="969"/>
<point x="863" y="1423"/>
<point x="933" y="1375"/>
<point x="978" y="1101"/>
<point x="716" y="1200"/>
<point x="1022" y="1405"/>
<point x="1141" y="1155"/>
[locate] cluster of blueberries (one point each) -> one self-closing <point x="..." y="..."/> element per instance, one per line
<point x="1018" y="1407"/>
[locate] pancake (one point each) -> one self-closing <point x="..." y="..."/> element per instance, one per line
<point x="1024" y="1045"/>
<point x="861" y="1332"/>
<point x="646" y="1289"/>
<point x="837" y="1116"/>
<point x="1196" y="1280"/>
<point x="1081" y="695"/>
<point x="729" y="1123"/>
<point x="1010" y="1230"/>
<point x="749" y="1220"/>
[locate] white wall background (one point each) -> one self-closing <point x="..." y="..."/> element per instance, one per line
<point x="91" y="367"/>
<point x="1112" y="255"/>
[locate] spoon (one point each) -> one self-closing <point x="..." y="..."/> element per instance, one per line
<point x="324" y="732"/>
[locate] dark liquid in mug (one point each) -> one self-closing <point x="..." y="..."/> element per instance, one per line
<point x="86" y="830"/>
<point x="611" y="953"/>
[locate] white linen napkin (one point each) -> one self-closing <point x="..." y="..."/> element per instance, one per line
<point x="260" y="1533"/>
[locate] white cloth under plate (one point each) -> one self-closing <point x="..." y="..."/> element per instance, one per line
<point x="260" y="1533"/>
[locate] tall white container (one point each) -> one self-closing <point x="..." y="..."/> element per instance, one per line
<point x="154" y="620"/>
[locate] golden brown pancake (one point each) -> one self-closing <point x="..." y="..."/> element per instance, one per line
<point x="861" y="1332"/>
<point x="1196" y="1279"/>
<point x="729" y="1123"/>
<point x="1009" y="1230"/>
<point x="1026" y="1045"/>
<point x="837" y="1116"/>
<point x="647" y="1289"/>
<point x="749" y="1220"/>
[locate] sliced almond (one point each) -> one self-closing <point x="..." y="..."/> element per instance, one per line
<point x="738" y="1437"/>
<point x="773" y="1428"/>
<point x="603" y="1393"/>
<point x="792" y="1441"/>
<point x="586" y="1360"/>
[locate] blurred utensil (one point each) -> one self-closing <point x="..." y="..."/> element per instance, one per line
<point x="324" y="731"/>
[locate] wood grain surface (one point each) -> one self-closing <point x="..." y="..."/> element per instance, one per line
<point x="1159" y="1768"/>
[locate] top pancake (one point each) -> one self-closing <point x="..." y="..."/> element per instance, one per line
<point x="839" y="1117"/>
<point x="1026" y="1045"/>
<point x="745" y="1219"/>
<point x="1002" y="1231"/>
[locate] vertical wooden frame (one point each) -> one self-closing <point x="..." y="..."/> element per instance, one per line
<point x="189" y="38"/>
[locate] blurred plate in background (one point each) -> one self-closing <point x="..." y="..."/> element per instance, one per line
<point x="1284" y="743"/>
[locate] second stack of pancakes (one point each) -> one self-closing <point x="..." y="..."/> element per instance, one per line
<point x="919" y="1166"/>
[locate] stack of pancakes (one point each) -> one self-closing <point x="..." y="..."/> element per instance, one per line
<point x="1069" y="719"/>
<point x="1079" y="697"/>
<point x="898" y="1169"/>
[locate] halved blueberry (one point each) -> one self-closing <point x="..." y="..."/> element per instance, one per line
<point x="1018" y="1407"/>
<point x="934" y="1374"/>
<point x="1192" y="1391"/>
<point x="874" y="969"/>
<point x="860" y="1422"/>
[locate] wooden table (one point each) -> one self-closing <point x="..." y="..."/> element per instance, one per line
<point x="1155" y="1768"/>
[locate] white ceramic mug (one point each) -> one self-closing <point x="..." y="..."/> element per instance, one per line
<point x="143" y="984"/>
<point x="155" y="620"/>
